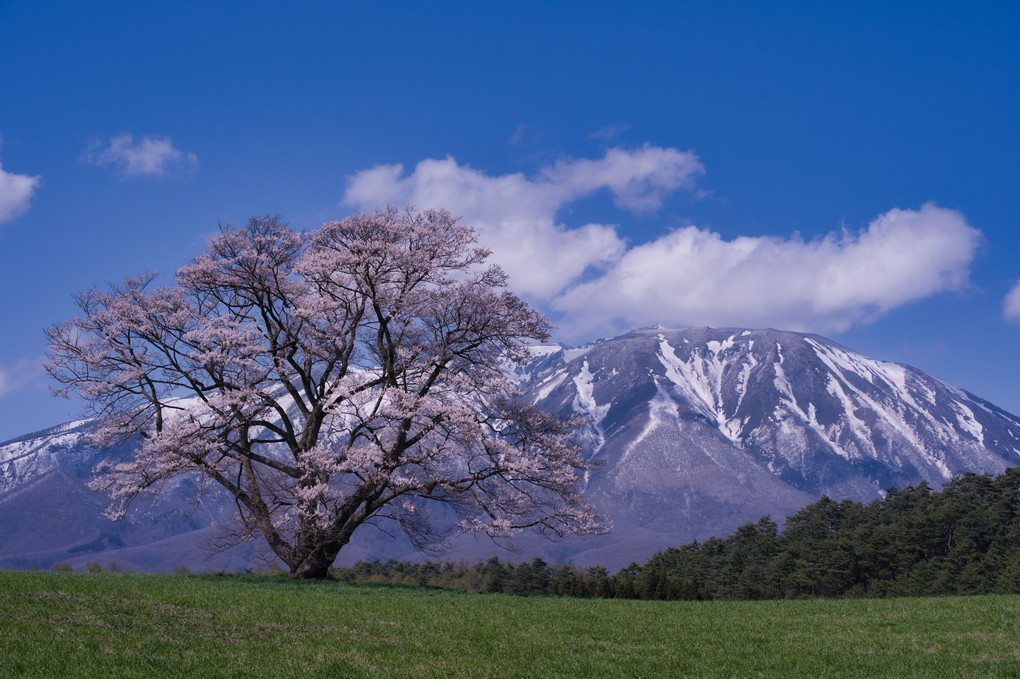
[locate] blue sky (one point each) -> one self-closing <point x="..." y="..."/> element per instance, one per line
<point x="851" y="171"/>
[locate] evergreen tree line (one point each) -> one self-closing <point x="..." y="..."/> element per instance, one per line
<point x="964" y="539"/>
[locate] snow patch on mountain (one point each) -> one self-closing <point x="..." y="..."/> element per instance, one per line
<point x="29" y="456"/>
<point x="584" y="402"/>
<point x="965" y="417"/>
<point x="662" y="414"/>
<point x="547" y="385"/>
<point x="700" y="380"/>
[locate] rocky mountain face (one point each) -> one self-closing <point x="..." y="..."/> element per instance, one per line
<point x="50" y="515"/>
<point x="702" y="429"/>
<point x="695" y="431"/>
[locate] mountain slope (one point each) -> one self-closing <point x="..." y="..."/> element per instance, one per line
<point x="701" y="429"/>
<point x="696" y="431"/>
<point x="50" y="515"/>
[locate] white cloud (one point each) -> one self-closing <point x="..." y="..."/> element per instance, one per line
<point x="16" y="191"/>
<point x="150" y="156"/>
<point x="516" y="216"/>
<point x="18" y="375"/>
<point x="639" y="180"/>
<point x="695" y="277"/>
<point x="597" y="283"/>
<point x="1011" y="305"/>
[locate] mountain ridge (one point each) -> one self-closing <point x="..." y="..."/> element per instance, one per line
<point x="696" y="431"/>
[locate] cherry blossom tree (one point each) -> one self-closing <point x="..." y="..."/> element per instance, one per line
<point x="353" y="374"/>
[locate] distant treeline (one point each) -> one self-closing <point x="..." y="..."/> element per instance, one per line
<point x="964" y="539"/>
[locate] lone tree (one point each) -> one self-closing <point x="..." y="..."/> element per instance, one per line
<point x="327" y="379"/>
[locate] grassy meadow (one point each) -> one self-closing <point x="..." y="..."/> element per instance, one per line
<point x="135" y="625"/>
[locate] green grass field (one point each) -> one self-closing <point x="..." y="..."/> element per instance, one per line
<point x="132" y="625"/>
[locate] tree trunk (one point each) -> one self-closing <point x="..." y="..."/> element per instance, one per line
<point x="316" y="565"/>
<point x="309" y="570"/>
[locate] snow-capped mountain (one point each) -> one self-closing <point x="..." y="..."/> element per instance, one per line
<point x="697" y="431"/>
<point x="702" y="429"/>
<point x="51" y="516"/>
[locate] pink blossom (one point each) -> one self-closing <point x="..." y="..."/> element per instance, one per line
<point x="327" y="379"/>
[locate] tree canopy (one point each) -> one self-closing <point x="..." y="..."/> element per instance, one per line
<point x="327" y="379"/>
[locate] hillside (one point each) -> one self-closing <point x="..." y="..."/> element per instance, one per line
<point x="696" y="432"/>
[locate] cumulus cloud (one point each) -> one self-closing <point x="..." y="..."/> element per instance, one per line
<point x="150" y="156"/>
<point x="1011" y="306"/>
<point x="16" y="191"/>
<point x="695" y="277"/>
<point x="18" y="375"/>
<point x="639" y="181"/>
<point x="597" y="283"/>
<point x="516" y="216"/>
